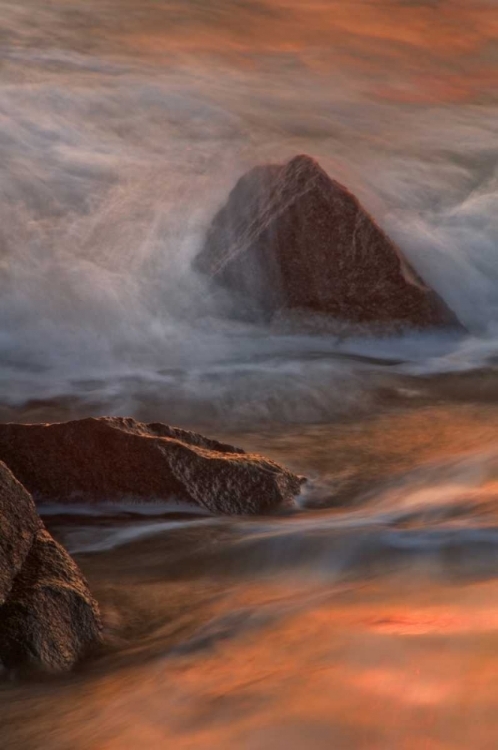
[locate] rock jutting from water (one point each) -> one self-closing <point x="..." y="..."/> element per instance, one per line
<point x="48" y="618"/>
<point x="291" y="239"/>
<point x="117" y="459"/>
<point x="19" y="524"/>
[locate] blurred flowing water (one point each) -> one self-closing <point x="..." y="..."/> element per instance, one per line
<point x="365" y="618"/>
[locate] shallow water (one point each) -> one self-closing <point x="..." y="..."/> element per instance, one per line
<point x="364" y="618"/>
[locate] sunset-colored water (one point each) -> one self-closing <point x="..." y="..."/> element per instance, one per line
<point x="366" y="618"/>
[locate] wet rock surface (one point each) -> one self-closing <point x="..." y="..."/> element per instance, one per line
<point x="19" y="524"/>
<point x="291" y="238"/>
<point x="48" y="618"/>
<point x="118" y="459"/>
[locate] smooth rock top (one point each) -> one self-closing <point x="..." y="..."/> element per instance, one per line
<point x="291" y="238"/>
<point x="117" y="459"/>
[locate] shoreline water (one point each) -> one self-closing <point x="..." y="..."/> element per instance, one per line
<point x="365" y="618"/>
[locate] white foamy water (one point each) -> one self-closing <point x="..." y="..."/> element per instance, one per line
<point x="119" y="141"/>
<point x="366" y="618"/>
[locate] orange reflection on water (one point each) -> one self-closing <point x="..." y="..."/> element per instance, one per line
<point x="413" y="52"/>
<point x="382" y="666"/>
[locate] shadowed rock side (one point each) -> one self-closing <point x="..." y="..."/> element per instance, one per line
<point x="115" y="459"/>
<point x="291" y="238"/>
<point x="19" y="523"/>
<point x="48" y="619"/>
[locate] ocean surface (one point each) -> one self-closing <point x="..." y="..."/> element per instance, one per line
<point x="366" y="619"/>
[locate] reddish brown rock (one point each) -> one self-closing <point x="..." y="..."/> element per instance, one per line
<point x="48" y="619"/>
<point x="19" y="523"/>
<point x="290" y="238"/>
<point x="116" y="459"/>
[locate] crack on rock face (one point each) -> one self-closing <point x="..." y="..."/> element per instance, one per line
<point x="291" y="238"/>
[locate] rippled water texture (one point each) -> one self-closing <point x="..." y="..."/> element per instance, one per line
<point x="366" y="618"/>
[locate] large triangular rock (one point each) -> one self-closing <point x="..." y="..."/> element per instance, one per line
<point x="290" y="238"/>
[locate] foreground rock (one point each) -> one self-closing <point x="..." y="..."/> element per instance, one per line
<point x="48" y="619"/>
<point x="291" y="238"/>
<point x="19" y="522"/>
<point x="116" y="459"/>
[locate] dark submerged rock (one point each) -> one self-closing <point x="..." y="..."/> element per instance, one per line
<point x="48" y="619"/>
<point x="291" y="238"/>
<point x="116" y="459"/>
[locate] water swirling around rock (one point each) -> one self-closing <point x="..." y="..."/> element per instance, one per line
<point x="365" y="616"/>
